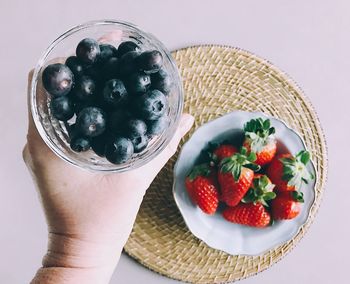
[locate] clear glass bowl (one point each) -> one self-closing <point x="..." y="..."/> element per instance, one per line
<point x="54" y="132"/>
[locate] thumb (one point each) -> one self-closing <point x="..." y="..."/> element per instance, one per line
<point x="185" y="125"/>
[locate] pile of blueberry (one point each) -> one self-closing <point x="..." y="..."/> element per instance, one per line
<point x="113" y="100"/>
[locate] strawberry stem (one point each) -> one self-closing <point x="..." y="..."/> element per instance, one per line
<point x="258" y="133"/>
<point x="200" y="170"/>
<point x="235" y="163"/>
<point x="260" y="192"/>
<point x="295" y="171"/>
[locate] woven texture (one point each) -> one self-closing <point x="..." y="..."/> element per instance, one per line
<point x="218" y="80"/>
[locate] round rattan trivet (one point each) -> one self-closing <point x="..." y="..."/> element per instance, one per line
<point x="218" y="80"/>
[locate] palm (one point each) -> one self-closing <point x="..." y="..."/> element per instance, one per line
<point x="78" y="201"/>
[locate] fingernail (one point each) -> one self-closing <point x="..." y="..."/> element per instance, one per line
<point x="186" y="122"/>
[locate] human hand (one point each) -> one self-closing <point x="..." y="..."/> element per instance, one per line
<point x="89" y="215"/>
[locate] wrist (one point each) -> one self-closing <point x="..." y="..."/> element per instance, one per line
<point x="81" y="252"/>
<point x="75" y="259"/>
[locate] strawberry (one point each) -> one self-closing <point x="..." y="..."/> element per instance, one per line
<point x="202" y="186"/>
<point x="190" y="189"/>
<point x="287" y="205"/>
<point x="260" y="191"/>
<point x="288" y="172"/>
<point x="224" y="151"/>
<point x="260" y="140"/>
<point x="235" y="176"/>
<point x="248" y="214"/>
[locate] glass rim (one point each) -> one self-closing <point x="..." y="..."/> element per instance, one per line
<point x="163" y="139"/>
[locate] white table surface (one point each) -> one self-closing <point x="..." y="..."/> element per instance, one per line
<point x="310" y="40"/>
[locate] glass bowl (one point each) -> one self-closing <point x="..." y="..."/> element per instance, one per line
<point x="54" y="132"/>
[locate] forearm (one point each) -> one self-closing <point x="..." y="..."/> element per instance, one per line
<point x="65" y="275"/>
<point x="90" y="257"/>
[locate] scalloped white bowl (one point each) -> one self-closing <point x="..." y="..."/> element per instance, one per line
<point x="214" y="230"/>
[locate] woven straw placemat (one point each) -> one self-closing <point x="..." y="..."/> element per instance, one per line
<point x="218" y="80"/>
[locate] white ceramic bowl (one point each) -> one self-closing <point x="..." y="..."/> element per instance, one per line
<point x="214" y="230"/>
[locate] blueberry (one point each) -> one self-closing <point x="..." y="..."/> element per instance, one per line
<point x="140" y="143"/>
<point x="128" y="63"/>
<point x="98" y="143"/>
<point x="135" y="128"/>
<point x="114" y="93"/>
<point x="155" y="127"/>
<point x="94" y="72"/>
<point x="79" y="143"/>
<point x="62" y="108"/>
<point x="138" y="83"/>
<point x="117" y="121"/>
<point x="58" y="79"/>
<point x="75" y="65"/>
<point x="91" y="121"/>
<point x="110" y="69"/>
<point x="84" y="89"/>
<point x="151" y="105"/>
<point x="107" y="51"/>
<point x="150" y="61"/>
<point x="119" y="150"/>
<point x="127" y="46"/>
<point x="88" y="50"/>
<point x="161" y="81"/>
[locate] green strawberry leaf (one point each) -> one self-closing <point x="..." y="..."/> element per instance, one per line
<point x="263" y="202"/>
<point x="256" y="182"/>
<point x="295" y="171"/>
<point x="235" y="163"/>
<point x="251" y="157"/>
<point x="226" y="168"/>
<point x="260" y="192"/>
<point x="243" y="151"/>
<point x="236" y="171"/>
<point x="287" y="177"/>
<point x="287" y="161"/>
<point x="269" y="196"/>
<point x="266" y="124"/>
<point x="263" y="181"/>
<point x="304" y="157"/>
<point x="257" y="133"/>
<point x="200" y="170"/>
<point x="225" y="160"/>
<point x="298" y="196"/>
<point x="249" y="196"/>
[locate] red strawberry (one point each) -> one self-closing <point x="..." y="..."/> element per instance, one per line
<point x="260" y="191"/>
<point x="224" y="151"/>
<point x="201" y="186"/>
<point x="288" y="172"/>
<point x="190" y="190"/>
<point x="287" y="205"/>
<point x="235" y="177"/>
<point x="248" y="214"/>
<point x="259" y="139"/>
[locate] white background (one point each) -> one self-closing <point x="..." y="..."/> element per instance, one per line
<point x="307" y="39"/>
